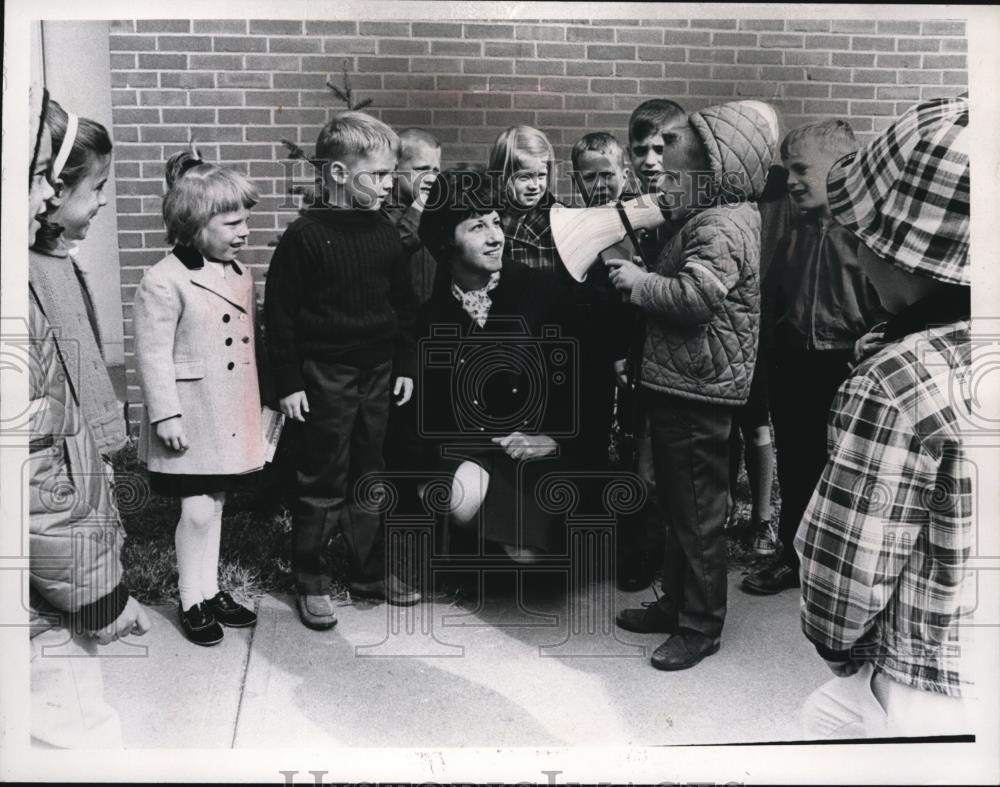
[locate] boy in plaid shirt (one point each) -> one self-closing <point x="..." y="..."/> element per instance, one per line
<point x="884" y="540"/>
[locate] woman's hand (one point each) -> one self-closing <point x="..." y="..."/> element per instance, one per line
<point x="171" y="433"/>
<point x="624" y="274"/>
<point x="522" y="446"/>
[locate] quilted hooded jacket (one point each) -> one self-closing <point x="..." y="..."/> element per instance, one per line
<point x="76" y="536"/>
<point x="702" y="300"/>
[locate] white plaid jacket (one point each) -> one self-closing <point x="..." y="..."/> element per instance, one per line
<point x="886" y="535"/>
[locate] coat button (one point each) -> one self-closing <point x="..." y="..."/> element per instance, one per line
<point x="243" y="318"/>
<point x="230" y="365"/>
<point x="226" y="318"/>
<point x="246" y="340"/>
<point x="229" y="341"/>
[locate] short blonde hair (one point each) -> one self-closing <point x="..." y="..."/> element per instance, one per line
<point x="832" y="136"/>
<point x="199" y="192"/>
<point x="599" y="142"/>
<point x="512" y="146"/>
<point x="354" y="135"/>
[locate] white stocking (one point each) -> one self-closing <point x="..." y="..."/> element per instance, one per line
<point x="191" y="540"/>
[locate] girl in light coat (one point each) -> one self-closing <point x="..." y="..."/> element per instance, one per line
<point x="194" y="345"/>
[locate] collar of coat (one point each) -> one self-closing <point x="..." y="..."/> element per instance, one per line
<point x="192" y="259"/>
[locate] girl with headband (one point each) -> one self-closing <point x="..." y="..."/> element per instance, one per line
<point x="79" y="604"/>
<point x="80" y="167"/>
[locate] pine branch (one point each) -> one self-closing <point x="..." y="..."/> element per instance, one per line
<point x="294" y="151"/>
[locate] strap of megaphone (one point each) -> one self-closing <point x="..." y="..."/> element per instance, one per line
<point x="633" y="367"/>
<point x="630" y="232"/>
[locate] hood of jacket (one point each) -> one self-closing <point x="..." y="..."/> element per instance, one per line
<point x="740" y="138"/>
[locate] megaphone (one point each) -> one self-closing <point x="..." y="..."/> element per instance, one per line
<point x="581" y="234"/>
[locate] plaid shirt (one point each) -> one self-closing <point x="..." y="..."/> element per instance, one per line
<point x="529" y="236"/>
<point x="886" y="535"/>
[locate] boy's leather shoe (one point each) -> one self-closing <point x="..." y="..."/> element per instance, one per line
<point x="200" y="627"/>
<point x="316" y="611"/>
<point x="651" y="618"/>
<point x="770" y="580"/>
<point x="683" y="650"/>
<point x="391" y="590"/>
<point x="228" y="612"/>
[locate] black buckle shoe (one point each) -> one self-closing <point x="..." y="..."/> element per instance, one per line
<point x="228" y="612"/>
<point x="653" y="618"/>
<point x="683" y="650"/>
<point x="200" y="627"/>
<point x="771" y="580"/>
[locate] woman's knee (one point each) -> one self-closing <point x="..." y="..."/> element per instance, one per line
<point x="468" y="491"/>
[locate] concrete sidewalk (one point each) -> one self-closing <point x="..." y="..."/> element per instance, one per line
<point x="505" y="667"/>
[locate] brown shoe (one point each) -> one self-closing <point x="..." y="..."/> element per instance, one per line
<point x="316" y="611"/>
<point x="391" y="590"/>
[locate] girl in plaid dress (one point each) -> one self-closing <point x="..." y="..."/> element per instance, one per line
<point x="523" y="159"/>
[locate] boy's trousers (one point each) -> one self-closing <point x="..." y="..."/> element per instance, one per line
<point x="691" y="461"/>
<point x="340" y="441"/>
<point x="802" y="387"/>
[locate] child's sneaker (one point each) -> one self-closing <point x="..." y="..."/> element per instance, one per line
<point x="765" y="541"/>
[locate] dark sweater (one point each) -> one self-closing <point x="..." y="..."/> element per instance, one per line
<point x="338" y="289"/>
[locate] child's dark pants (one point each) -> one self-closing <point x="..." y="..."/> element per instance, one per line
<point x="691" y="462"/>
<point x="802" y="386"/>
<point x="340" y="441"/>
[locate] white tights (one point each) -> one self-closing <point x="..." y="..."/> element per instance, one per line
<point x="197" y="539"/>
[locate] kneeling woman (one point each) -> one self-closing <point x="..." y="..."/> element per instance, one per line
<point x="488" y="406"/>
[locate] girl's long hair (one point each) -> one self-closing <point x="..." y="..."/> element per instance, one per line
<point x="512" y="148"/>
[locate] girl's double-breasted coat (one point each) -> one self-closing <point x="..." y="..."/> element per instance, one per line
<point x="194" y="346"/>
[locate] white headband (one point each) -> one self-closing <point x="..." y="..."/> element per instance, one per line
<point x="72" y="123"/>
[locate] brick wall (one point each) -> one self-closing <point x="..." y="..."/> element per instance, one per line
<point x="240" y="86"/>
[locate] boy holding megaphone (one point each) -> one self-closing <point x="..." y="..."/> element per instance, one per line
<point x="701" y="301"/>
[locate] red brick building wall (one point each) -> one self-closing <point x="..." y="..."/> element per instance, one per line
<point x="240" y="86"/>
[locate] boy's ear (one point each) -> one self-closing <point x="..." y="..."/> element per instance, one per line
<point x="338" y="171"/>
